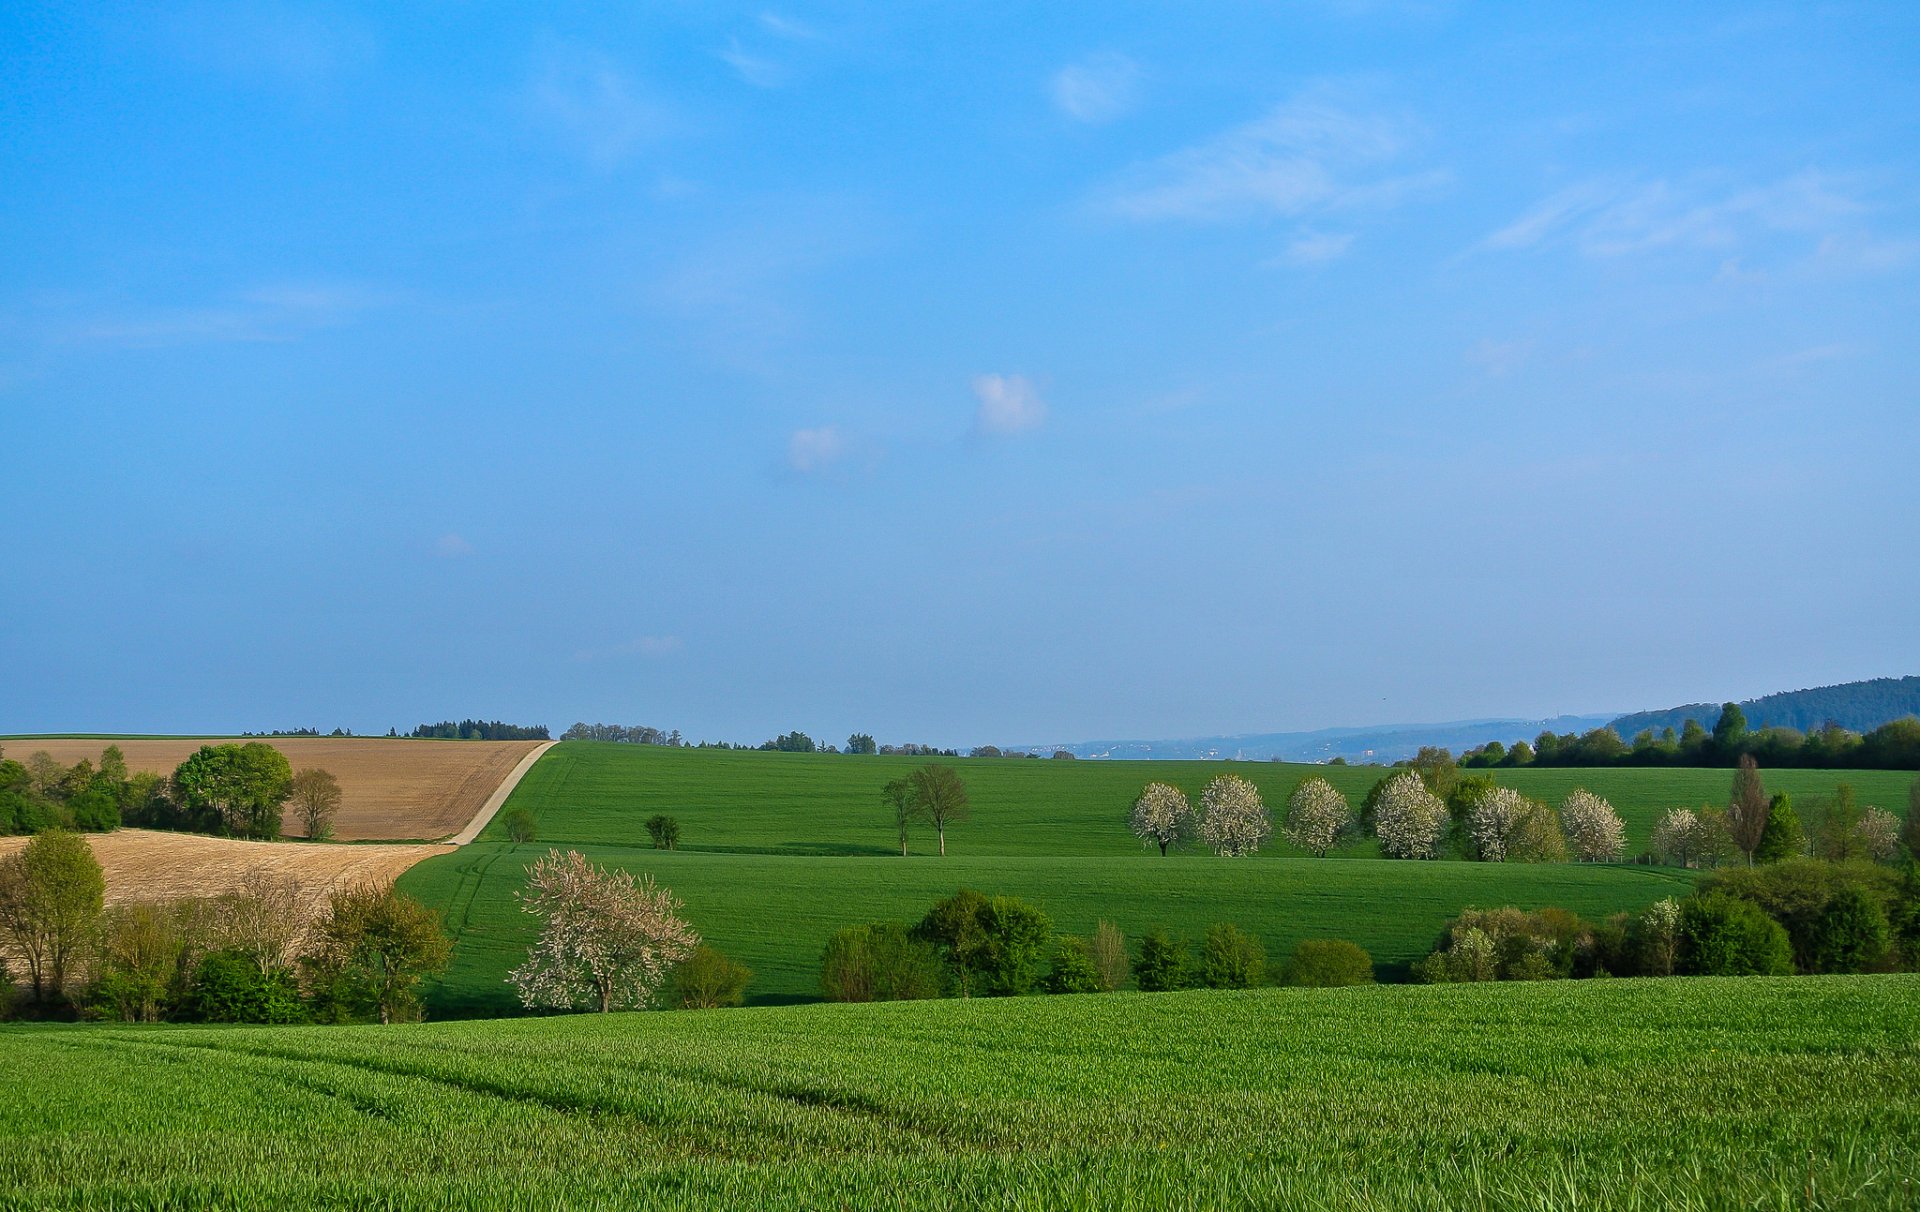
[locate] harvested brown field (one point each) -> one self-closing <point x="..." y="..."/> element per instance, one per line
<point x="390" y="789"/>
<point x="147" y="865"/>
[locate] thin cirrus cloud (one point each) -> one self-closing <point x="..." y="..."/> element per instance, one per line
<point x="583" y="96"/>
<point x="815" y="450"/>
<point x="1007" y="405"/>
<point x="1306" y="157"/>
<point x="1606" y="218"/>
<point x="272" y="313"/>
<point x="1098" y="89"/>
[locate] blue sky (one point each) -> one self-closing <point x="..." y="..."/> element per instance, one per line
<point x="956" y="373"/>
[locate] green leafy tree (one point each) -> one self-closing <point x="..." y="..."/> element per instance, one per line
<point x="520" y="825"/>
<point x="228" y="987"/>
<point x="664" y="830"/>
<point x="861" y="743"/>
<point x="1162" y="964"/>
<point x="372" y="948"/>
<point x="51" y="895"/>
<point x="1073" y="969"/>
<point x="1721" y="935"/>
<point x="237" y="789"/>
<point x="897" y="795"/>
<point x="1323" y="963"/>
<point x="993" y="946"/>
<point x="1747" y="805"/>
<point x="1436" y="769"/>
<point x="1851" y="934"/>
<point x="1109" y="949"/>
<point x="315" y="798"/>
<point x="1839" y="835"/>
<point x="882" y="962"/>
<point x="144" y="959"/>
<point x="1783" y="838"/>
<point x="1730" y="729"/>
<point x="1231" y="959"/>
<point x="939" y="798"/>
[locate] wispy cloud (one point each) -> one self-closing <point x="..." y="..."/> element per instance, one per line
<point x="1317" y="248"/>
<point x="270" y="313"/>
<point x="1305" y="157"/>
<point x="1612" y="217"/>
<point x="815" y="450"/>
<point x="786" y="27"/>
<point x="583" y="96"/>
<point x="1099" y="88"/>
<point x="757" y="70"/>
<point x="1008" y="404"/>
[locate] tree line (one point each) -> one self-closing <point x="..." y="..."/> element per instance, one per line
<point x="235" y="790"/>
<point x="480" y="730"/>
<point x="1894" y="745"/>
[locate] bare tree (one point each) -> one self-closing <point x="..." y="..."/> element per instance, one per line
<point x="1162" y="816"/>
<point x="606" y="940"/>
<point x="1747" y="807"/>
<point x="1109" y="952"/>
<point x="939" y="798"/>
<point x="315" y="798"/>
<point x="264" y="919"/>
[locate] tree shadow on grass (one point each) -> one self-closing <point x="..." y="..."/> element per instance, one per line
<point x="810" y="849"/>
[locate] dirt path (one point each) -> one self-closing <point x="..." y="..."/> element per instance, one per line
<point x="499" y="797"/>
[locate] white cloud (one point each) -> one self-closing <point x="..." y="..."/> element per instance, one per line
<point x="1611" y="218"/>
<point x="1009" y="404"/>
<point x="1317" y="248"/>
<point x="1099" y="88"/>
<point x="270" y="313"/>
<point x="451" y="546"/>
<point x="583" y="95"/>
<point x="754" y="69"/>
<point x="787" y="28"/>
<point x="811" y="450"/>
<point x="1304" y="157"/>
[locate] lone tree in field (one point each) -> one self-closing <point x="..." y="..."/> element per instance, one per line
<point x="664" y="830"/>
<point x="1233" y="820"/>
<point x="939" y="798"/>
<point x="1594" y="830"/>
<point x="371" y="949"/>
<point x="51" y="893"/>
<point x="1318" y="817"/>
<point x="1747" y="806"/>
<point x="897" y="795"/>
<point x="606" y="940"/>
<point x="1162" y="816"/>
<point x="1410" y="820"/>
<point x="315" y="796"/>
<point x="237" y="788"/>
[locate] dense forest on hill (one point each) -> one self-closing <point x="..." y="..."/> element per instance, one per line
<point x="1858" y="706"/>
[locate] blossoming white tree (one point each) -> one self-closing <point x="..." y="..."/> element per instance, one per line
<point x="1410" y="821"/>
<point x="1162" y="816"/>
<point x="1879" y="834"/>
<point x="1318" y="817"/>
<point x="1493" y="819"/>
<point x="606" y="940"/>
<point x="1233" y="821"/>
<point x="1594" y="829"/>
<point x="1677" y="837"/>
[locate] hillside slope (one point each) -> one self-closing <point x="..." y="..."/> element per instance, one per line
<point x="1860" y="706"/>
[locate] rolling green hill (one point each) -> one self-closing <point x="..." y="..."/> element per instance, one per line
<point x="779" y="850"/>
<point x="1701" y="1094"/>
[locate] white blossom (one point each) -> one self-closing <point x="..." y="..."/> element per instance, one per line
<point x="1410" y="821"/>
<point x="1318" y="817"/>
<point x="1879" y="834"/>
<point x="1594" y="829"/>
<point x="606" y="940"/>
<point x="1677" y="837"/>
<point x="1492" y="820"/>
<point x="1162" y="816"/>
<point x="1233" y="821"/>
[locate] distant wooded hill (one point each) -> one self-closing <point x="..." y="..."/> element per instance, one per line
<point x="1860" y="706"/>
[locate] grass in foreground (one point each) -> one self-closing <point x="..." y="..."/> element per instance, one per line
<point x="1788" y="1093"/>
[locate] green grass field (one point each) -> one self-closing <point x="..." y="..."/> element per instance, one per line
<point x="1693" y="1094"/>
<point x="779" y="850"/>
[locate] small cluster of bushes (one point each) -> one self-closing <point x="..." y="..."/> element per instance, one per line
<point x="245" y="957"/>
<point x="239" y="790"/>
<point x="974" y="945"/>
<point x="1803" y="915"/>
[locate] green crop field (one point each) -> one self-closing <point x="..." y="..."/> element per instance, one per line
<point x="779" y="850"/>
<point x="1693" y="1094"/>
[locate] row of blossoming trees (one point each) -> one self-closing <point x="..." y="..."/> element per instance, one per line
<point x="1498" y="824"/>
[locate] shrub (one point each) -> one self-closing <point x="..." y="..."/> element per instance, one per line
<point x="520" y="826"/>
<point x="372" y="948"/>
<point x="1162" y="964"/>
<point x="1325" y="963"/>
<point x="707" y="980"/>
<point x="1073" y="970"/>
<point x="1721" y="935"/>
<point x="229" y="987"/>
<point x="882" y="962"/>
<point x="1109" y="952"/>
<point x="1410" y="821"/>
<point x="1507" y="944"/>
<point x="1795" y="892"/>
<point x="1232" y="959"/>
<point x="1595" y="833"/>
<point x="1851" y="934"/>
<point x="144" y="961"/>
<point x="993" y="946"/>
<point x="1318" y="817"/>
<point x="664" y="830"/>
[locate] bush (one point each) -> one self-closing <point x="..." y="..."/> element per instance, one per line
<point x="1109" y="951"/>
<point x="707" y="980"/>
<point x="1722" y="935"/>
<point x="1795" y="892"/>
<point x="665" y="832"/>
<point x="1851" y="934"/>
<point x="1162" y="964"/>
<point x="520" y="826"/>
<point x="228" y="987"/>
<point x="1232" y="959"/>
<point x="1073" y="969"/>
<point x="882" y="962"/>
<point x="1325" y="963"/>
<point x="992" y="946"/>
<point x="1507" y="944"/>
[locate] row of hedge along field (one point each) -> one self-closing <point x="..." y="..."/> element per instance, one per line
<point x="1680" y="1093"/>
<point x="778" y="850"/>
